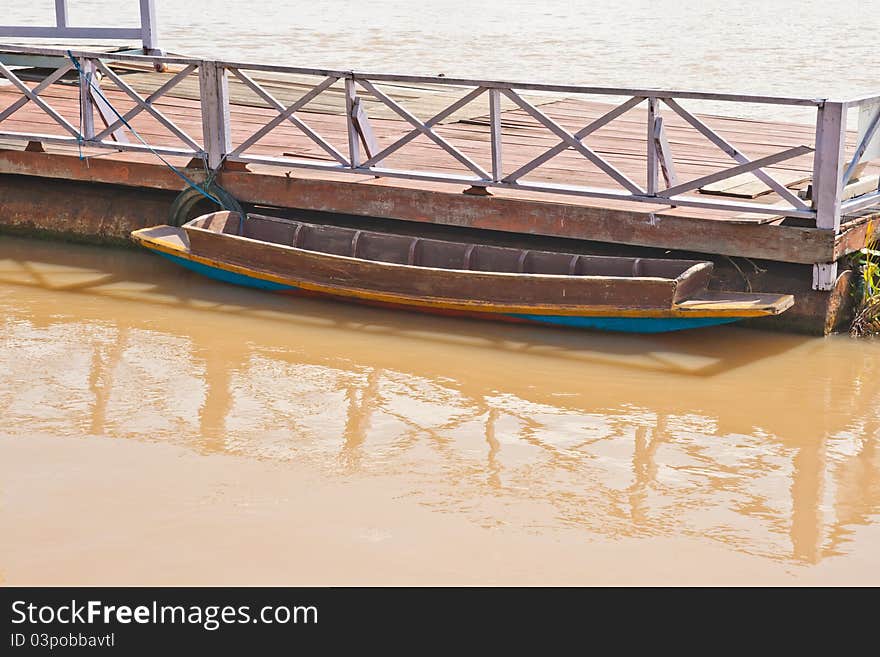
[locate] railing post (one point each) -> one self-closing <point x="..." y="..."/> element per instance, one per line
<point x="828" y="180"/>
<point x="495" y="132"/>
<point x="214" y="92"/>
<point x="86" y="101"/>
<point x="149" y="29"/>
<point x="354" y="148"/>
<point x="653" y="111"/>
<point x="828" y="164"/>
<point x="60" y="13"/>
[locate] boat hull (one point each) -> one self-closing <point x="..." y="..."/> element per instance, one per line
<point x="625" y="324"/>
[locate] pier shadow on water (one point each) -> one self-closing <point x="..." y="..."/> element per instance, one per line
<point x="765" y="443"/>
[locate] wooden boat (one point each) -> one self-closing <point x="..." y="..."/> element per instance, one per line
<point x="477" y="280"/>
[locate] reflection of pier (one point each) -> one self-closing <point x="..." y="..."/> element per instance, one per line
<point x="503" y="414"/>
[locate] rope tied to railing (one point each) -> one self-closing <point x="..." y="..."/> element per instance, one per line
<point x="80" y="140"/>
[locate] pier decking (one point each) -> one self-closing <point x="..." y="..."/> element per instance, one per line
<point x="530" y="159"/>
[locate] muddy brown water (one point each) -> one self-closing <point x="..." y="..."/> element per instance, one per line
<point x="157" y="427"/>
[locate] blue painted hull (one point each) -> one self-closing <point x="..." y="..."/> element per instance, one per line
<point x="601" y="323"/>
<point x="629" y="324"/>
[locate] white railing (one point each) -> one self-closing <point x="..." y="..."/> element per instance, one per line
<point x="361" y="153"/>
<point x="659" y="159"/>
<point x="147" y="33"/>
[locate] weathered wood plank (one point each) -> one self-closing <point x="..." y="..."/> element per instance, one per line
<point x="746" y="186"/>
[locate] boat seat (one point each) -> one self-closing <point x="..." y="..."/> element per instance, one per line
<point x="495" y="258"/>
<point x="394" y="248"/>
<point x="267" y="230"/>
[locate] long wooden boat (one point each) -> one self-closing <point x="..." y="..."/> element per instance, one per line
<point x="646" y="295"/>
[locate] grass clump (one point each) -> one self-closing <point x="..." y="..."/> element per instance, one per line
<point x="867" y="316"/>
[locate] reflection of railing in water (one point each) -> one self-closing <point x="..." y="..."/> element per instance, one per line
<point x="649" y="467"/>
<point x="645" y="502"/>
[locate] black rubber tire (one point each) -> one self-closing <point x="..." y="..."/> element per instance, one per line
<point x="183" y="205"/>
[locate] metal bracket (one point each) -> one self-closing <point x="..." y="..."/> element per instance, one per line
<point x="824" y="276"/>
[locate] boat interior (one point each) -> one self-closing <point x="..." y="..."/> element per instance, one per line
<point x="435" y="253"/>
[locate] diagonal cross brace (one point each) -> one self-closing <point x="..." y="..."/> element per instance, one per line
<point x="747" y="167"/>
<point x="21" y="102"/>
<point x="580" y="134"/>
<point x="283" y="116"/>
<point x="574" y="142"/>
<point x="862" y="147"/>
<point x="430" y="123"/>
<point x="425" y="130"/>
<point x="113" y="127"/>
<point x="144" y="105"/>
<point x="299" y="123"/>
<point x="35" y="98"/>
<point x="733" y="152"/>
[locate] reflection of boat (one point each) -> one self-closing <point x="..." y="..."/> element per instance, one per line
<point x="479" y="280"/>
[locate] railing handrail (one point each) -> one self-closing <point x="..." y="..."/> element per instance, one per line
<point x="146" y="32"/>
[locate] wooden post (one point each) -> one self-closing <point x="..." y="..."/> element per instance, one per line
<point x="661" y="147"/>
<point x="354" y="150"/>
<point x="828" y="180"/>
<point x="653" y="110"/>
<point x="495" y="128"/>
<point x="214" y="88"/>
<point x="828" y="164"/>
<point x="363" y="127"/>
<point x="86" y="102"/>
<point x="61" y="13"/>
<point x="149" y="28"/>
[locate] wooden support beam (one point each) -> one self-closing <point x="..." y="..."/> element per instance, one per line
<point x="661" y="146"/>
<point x="364" y="129"/>
<point x="828" y="182"/>
<point x="214" y="86"/>
<point x="149" y="27"/>
<point x="827" y="178"/>
<point x="108" y="116"/>
<point x="87" y="77"/>
<point x="61" y="13"/>
<point x="495" y="134"/>
<point x="651" y="154"/>
<point x="354" y="148"/>
<point x="762" y="241"/>
<point x="824" y="276"/>
<point x="536" y="217"/>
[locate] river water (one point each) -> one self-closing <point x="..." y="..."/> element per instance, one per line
<point x="156" y="427"/>
<point x="723" y="444"/>
<point x="808" y="48"/>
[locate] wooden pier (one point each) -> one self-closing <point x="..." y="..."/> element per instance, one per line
<point x="86" y="140"/>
